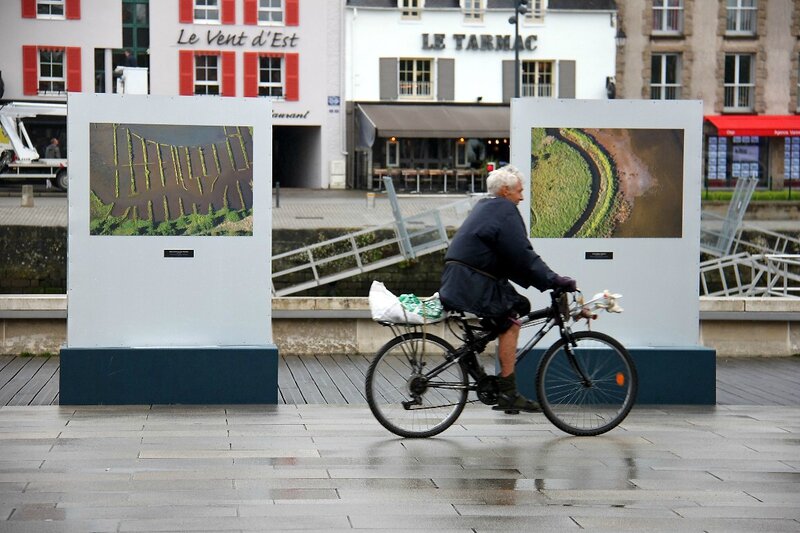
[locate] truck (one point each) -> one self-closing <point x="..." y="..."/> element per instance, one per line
<point x="19" y="159"/>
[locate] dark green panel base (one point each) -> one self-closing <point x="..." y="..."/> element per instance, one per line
<point x="143" y="376"/>
<point x="680" y="375"/>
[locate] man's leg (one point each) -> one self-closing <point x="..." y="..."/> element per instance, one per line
<point x="509" y="398"/>
<point x="507" y="350"/>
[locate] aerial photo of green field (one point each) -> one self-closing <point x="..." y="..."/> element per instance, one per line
<point x="598" y="183"/>
<point x="150" y="179"/>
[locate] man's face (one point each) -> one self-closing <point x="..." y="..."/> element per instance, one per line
<point x="513" y="193"/>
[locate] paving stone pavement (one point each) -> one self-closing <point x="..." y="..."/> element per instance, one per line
<point x="292" y="209"/>
<point x="334" y="468"/>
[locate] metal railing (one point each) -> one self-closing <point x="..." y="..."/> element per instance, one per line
<point x="366" y="250"/>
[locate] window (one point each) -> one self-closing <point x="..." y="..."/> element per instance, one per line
<point x="415" y="78"/>
<point x="270" y="12"/>
<point x="537" y="79"/>
<point x="473" y="10"/>
<point x="791" y="158"/>
<point x="410" y="9"/>
<point x="392" y="152"/>
<point x="665" y="77"/>
<point x="49" y="70"/>
<point x="535" y="13"/>
<point x="739" y="82"/>
<point x="52" y="78"/>
<point x="667" y="16"/>
<point x="50" y="9"/>
<point x="741" y="17"/>
<point x="461" y="153"/>
<point x="206" y="12"/>
<point x="270" y="76"/>
<point x="206" y="74"/>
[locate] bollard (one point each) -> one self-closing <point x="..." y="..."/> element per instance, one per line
<point x="370" y="199"/>
<point x="27" y="196"/>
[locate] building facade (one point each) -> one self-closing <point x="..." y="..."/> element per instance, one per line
<point x="49" y="49"/>
<point x="741" y="58"/>
<point x="285" y="50"/>
<point x="429" y="82"/>
<point x="288" y="51"/>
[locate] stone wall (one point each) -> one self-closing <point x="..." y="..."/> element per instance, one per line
<point x="33" y="260"/>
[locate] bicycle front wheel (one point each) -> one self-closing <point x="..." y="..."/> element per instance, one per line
<point x="404" y="396"/>
<point x="590" y="390"/>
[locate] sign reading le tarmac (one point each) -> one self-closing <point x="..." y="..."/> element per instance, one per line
<point x="482" y="43"/>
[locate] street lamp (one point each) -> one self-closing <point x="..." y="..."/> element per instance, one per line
<point x="520" y="8"/>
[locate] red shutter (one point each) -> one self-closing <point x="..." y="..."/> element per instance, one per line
<point x="251" y="73"/>
<point x="186" y="72"/>
<point x="186" y="12"/>
<point x="73" y="69"/>
<point x="292" y="77"/>
<point x="251" y="11"/>
<point x="292" y="12"/>
<point x="30" y="70"/>
<point x="29" y="9"/>
<point x="228" y="73"/>
<point x="228" y="12"/>
<point x="73" y="9"/>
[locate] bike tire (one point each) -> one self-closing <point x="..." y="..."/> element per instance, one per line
<point x="576" y="408"/>
<point x="391" y="376"/>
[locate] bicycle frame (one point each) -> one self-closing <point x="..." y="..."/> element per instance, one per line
<point x="476" y="344"/>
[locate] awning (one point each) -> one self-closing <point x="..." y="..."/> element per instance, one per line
<point x="439" y="120"/>
<point x="756" y="125"/>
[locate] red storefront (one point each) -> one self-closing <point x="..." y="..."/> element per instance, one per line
<point x="766" y="147"/>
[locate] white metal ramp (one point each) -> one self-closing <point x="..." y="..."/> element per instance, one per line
<point x="365" y="250"/>
<point x="766" y="264"/>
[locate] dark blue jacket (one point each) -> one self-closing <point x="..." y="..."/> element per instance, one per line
<point x="490" y="248"/>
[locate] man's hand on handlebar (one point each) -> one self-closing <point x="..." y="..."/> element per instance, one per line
<point x="565" y="284"/>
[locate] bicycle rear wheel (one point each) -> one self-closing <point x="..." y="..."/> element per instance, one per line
<point x="594" y="406"/>
<point x="400" y="396"/>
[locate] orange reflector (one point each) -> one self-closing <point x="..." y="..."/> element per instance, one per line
<point x="620" y="379"/>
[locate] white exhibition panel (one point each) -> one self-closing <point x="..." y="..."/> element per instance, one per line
<point x="122" y="290"/>
<point x="658" y="277"/>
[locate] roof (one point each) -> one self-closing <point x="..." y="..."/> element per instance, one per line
<point x="757" y="125"/>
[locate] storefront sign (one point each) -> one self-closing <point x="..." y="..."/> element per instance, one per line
<point x="303" y="115"/>
<point x="265" y="38"/>
<point x="482" y="42"/>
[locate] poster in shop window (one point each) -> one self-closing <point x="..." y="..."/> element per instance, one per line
<point x="606" y="182"/>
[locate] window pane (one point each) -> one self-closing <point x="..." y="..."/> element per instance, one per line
<point x="142" y="38"/>
<point x="744" y="69"/>
<point x="730" y="69"/>
<point x="655" y="76"/>
<point x="671" y="69"/>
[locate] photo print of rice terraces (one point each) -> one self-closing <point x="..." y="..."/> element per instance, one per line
<point x="598" y="183"/>
<point x="150" y="179"/>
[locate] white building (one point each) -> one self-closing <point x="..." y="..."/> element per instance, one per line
<point x="49" y="49"/>
<point x="287" y="50"/>
<point x="428" y="81"/>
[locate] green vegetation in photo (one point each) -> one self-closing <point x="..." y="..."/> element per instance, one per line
<point x="215" y="222"/>
<point x="605" y="213"/>
<point x="561" y="184"/>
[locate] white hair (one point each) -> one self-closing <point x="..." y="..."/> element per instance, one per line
<point x="506" y="176"/>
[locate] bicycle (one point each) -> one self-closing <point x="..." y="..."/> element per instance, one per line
<point x="418" y="384"/>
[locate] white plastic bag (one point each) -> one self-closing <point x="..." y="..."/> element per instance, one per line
<point x="386" y="307"/>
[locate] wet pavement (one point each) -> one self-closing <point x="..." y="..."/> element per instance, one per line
<point x="334" y="468"/>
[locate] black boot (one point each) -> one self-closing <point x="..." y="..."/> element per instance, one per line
<point x="511" y="401"/>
